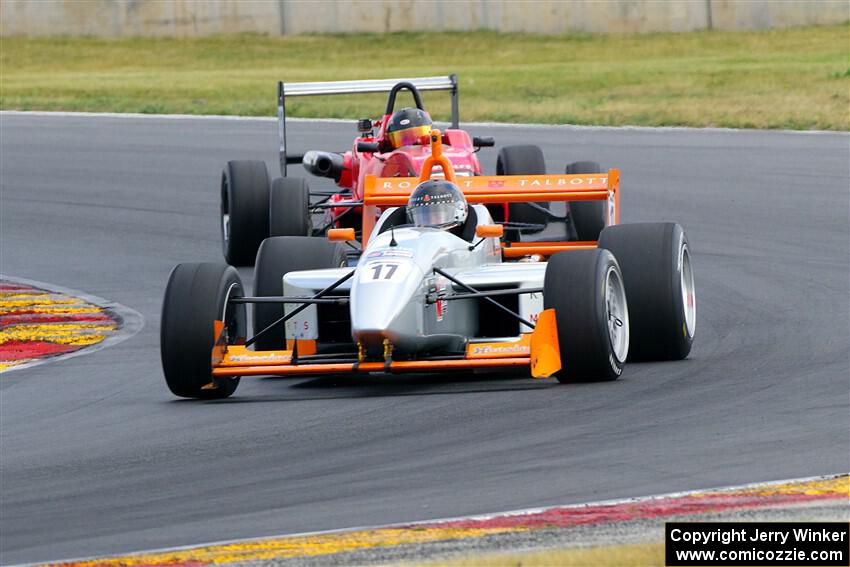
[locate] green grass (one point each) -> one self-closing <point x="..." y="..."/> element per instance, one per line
<point x="796" y="78"/>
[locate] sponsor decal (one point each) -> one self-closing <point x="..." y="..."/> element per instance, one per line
<point x="394" y="252"/>
<point x="259" y="358"/>
<point x="554" y="182"/>
<point x="442" y="304"/>
<point x="427" y="199"/>
<point x="518" y="348"/>
<point x="400" y="184"/>
<point x="548" y="182"/>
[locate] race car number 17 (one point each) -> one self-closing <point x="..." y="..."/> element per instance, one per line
<point x="383" y="271"/>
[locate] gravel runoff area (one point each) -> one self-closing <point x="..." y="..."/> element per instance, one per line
<point x="609" y="525"/>
<point x="641" y="531"/>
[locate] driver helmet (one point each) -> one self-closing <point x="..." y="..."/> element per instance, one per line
<point x="409" y="126"/>
<point x="437" y="203"/>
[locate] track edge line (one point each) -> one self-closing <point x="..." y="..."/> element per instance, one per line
<point x="518" y="512"/>
<point x="576" y="127"/>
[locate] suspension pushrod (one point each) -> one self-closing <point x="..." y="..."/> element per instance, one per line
<point x="493" y="293"/>
<point x="339" y="205"/>
<point x="454" y="280"/>
<point x="285" y="299"/>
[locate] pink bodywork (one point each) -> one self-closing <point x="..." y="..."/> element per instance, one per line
<point x="403" y="162"/>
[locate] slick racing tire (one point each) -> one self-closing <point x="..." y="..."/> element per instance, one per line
<point x="588" y="216"/>
<point x="658" y="273"/>
<point x="289" y="212"/>
<point x="520" y="160"/>
<point x="277" y="257"/>
<point x="244" y="210"/>
<point x="194" y="299"/>
<point x="585" y="287"/>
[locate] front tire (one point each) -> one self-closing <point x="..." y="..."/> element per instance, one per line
<point x="277" y="257"/>
<point x="244" y="210"/>
<point x="194" y="298"/>
<point x="585" y="287"/>
<point x="657" y="269"/>
<point x="289" y="207"/>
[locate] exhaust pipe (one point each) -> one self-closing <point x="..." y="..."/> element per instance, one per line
<point x="324" y="164"/>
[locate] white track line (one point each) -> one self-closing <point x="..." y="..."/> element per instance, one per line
<point x="214" y="117"/>
<point x="132" y="321"/>
<point x="522" y="512"/>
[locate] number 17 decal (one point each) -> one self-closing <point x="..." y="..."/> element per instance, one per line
<point x="385" y="270"/>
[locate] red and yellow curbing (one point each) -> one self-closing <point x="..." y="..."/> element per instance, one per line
<point x="769" y="495"/>
<point x="36" y="323"/>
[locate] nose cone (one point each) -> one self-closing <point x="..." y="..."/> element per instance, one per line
<point x="383" y="295"/>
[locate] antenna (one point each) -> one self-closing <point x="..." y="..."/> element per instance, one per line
<point x="392" y="236"/>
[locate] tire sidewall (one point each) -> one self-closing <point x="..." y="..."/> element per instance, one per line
<point x="246" y="186"/>
<point x="606" y="264"/>
<point x="278" y="256"/>
<point x="575" y="286"/>
<point x="683" y="340"/>
<point x="520" y="160"/>
<point x="289" y="201"/>
<point x="649" y="255"/>
<point x="588" y="217"/>
<point x="194" y="299"/>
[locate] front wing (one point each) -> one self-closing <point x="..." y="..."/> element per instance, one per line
<point x="538" y="350"/>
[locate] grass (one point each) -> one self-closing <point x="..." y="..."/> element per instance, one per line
<point x="795" y="78"/>
<point x="635" y="555"/>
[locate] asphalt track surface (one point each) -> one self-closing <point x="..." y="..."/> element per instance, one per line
<point x="98" y="457"/>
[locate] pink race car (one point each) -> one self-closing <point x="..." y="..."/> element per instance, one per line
<point x="253" y="207"/>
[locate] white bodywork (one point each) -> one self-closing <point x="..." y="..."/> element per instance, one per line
<point x="392" y="284"/>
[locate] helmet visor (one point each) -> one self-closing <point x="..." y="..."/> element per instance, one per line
<point x="410" y="136"/>
<point x="436" y="214"/>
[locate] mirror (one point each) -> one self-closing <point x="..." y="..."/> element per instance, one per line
<point x="341" y="234"/>
<point x="368" y="147"/>
<point x="489" y="231"/>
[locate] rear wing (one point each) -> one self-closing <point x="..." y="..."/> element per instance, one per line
<point x="379" y="192"/>
<point x="448" y="83"/>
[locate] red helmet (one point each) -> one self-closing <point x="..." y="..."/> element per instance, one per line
<point x="409" y="126"/>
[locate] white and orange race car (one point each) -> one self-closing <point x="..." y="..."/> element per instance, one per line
<point x="420" y="299"/>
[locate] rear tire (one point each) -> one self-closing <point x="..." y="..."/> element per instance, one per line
<point x="585" y="287"/>
<point x="658" y="273"/>
<point x="244" y="210"/>
<point x="194" y="299"/>
<point x="277" y="257"/>
<point x="289" y="212"/>
<point x="520" y="160"/>
<point x="588" y="216"/>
